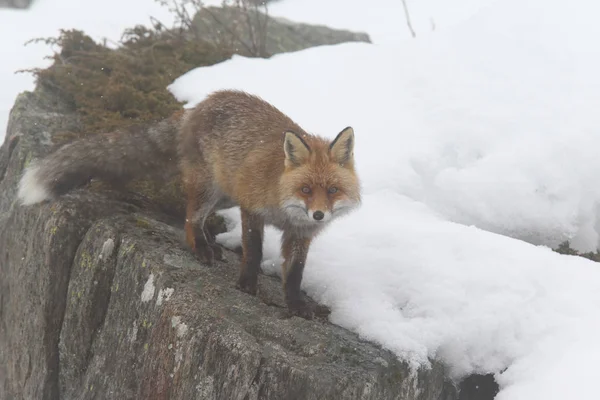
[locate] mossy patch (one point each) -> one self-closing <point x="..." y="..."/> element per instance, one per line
<point x="565" y="248"/>
<point x="142" y="223"/>
<point x="115" y="88"/>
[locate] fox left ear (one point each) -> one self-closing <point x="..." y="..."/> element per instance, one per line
<point x="342" y="147"/>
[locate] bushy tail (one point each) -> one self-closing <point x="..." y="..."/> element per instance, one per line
<point x="113" y="157"/>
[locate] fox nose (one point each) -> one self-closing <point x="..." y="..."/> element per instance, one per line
<point x="318" y="215"/>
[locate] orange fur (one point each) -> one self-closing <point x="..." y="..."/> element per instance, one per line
<point x="237" y="149"/>
<point x="232" y="149"/>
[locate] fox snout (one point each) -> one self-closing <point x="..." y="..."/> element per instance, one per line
<point x="300" y="211"/>
<point x="320" y="215"/>
<point x="318" y="207"/>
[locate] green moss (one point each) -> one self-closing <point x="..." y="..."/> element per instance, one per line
<point x="28" y="159"/>
<point x="125" y="250"/>
<point x="114" y="88"/>
<point x="142" y="223"/>
<point x="86" y="260"/>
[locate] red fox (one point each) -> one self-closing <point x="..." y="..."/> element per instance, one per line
<point x="233" y="149"/>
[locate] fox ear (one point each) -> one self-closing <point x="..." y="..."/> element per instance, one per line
<point x="295" y="148"/>
<point x="342" y="147"/>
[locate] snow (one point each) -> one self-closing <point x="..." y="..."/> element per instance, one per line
<point x="422" y="286"/>
<point x="488" y="131"/>
<point x="384" y="20"/>
<point x="477" y="148"/>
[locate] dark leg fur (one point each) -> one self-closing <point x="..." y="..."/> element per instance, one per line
<point x="294" y="251"/>
<point x="201" y="242"/>
<point x="217" y="251"/>
<point x="252" y="240"/>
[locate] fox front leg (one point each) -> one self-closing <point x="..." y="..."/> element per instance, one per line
<point x="252" y="240"/>
<point x="295" y="250"/>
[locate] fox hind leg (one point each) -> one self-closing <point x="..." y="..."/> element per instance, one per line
<point x="200" y="203"/>
<point x="211" y="239"/>
<point x="252" y="239"/>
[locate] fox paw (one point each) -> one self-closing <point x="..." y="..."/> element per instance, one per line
<point x="217" y="252"/>
<point x="247" y="284"/>
<point x="300" y="308"/>
<point x="205" y="255"/>
<point x="208" y="253"/>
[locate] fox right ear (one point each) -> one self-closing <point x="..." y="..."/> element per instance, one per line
<point x="295" y="148"/>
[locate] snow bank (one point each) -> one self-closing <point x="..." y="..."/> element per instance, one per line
<point x="493" y="124"/>
<point x="483" y="127"/>
<point x="99" y="19"/>
<point x="424" y="287"/>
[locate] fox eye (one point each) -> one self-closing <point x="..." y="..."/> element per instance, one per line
<point x="333" y="190"/>
<point x="305" y="189"/>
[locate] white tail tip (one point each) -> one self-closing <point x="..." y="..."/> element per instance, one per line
<point x="31" y="189"/>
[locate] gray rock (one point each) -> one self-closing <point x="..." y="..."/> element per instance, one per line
<point x="15" y="3"/>
<point x="99" y="299"/>
<point x="230" y="26"/>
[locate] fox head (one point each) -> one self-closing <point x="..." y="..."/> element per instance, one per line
<point x="319" y="182"/>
